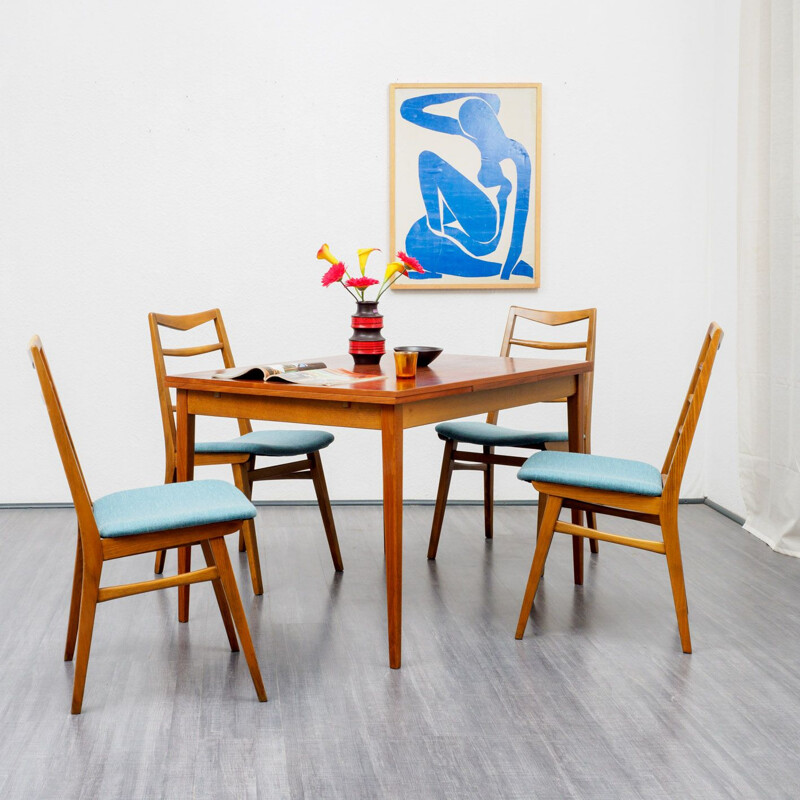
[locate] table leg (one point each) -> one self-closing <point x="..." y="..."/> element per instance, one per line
<point x="576" y="415"/>
<point x="392" y="439"/>
<point x="185" y="472"/>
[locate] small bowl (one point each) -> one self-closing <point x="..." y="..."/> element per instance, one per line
<point x="425" y="354"/>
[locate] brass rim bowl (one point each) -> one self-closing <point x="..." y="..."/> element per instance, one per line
<point x="424" y="354"/>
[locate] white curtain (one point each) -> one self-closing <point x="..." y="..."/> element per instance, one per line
<point x="769" y="270"/>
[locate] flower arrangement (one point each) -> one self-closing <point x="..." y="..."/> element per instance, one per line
<point x="357" y="286"/>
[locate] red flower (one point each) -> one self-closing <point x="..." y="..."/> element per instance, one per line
<point x="334" y="274"/>
<point x="361" y="283"/>
<point x="411" y="263"/>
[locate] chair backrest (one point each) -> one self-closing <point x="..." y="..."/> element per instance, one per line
<point x="678" y="453"/>
<point x="554" y="318"/>
<point x="185" y="322"/>
<point x="90" y="537"/>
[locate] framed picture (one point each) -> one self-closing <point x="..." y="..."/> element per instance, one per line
<point x="466" y="183"/>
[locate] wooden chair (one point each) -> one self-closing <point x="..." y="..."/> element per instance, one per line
<point x="622" y="488"/>
<point x="241" y="453"/>
<point x="143" y="521"/>
<point x="489" y="435"/>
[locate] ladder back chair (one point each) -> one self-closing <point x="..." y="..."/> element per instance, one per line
<point x="241" y="452"/>
<point x="622" y="488"/>
<point x="143" y="521"/>
<point x="489" y="435"/>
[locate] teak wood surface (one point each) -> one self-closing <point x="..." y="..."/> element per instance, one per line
<point x="453" y="386"/>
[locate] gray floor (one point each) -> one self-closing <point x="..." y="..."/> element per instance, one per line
<point x="596" y="701"/>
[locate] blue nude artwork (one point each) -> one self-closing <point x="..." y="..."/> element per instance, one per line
<point x="465" y="194"/>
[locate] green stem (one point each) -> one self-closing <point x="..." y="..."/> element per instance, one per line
<point x="347" y="289"/>
<point x="386" y="285"/>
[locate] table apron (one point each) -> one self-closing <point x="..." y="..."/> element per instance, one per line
<point x="285" y="409"/>
<point x="425" y="412"/>
<point x="337" y="413"/>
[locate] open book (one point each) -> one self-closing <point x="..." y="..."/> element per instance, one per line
<point x="300" y="372"/>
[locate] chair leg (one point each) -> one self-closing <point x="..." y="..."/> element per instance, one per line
<point x="184" y="565"/>
<point x="577" y="549"/>
<point x="89" y="589"/>
<point x="75" y="602"/>
<point x="551" y="511"/>
<point x="540" y="506"/>
<point x="325" y="510"/>
<point x="441" y="497"/>
<point x="226" y="576"/>
<point x="488" y="496"/>
<point x="248" y="531"/>
<point x="669" y="527"/>
<point x="251" y="465"/>
<point x="161" y="555"/>
<point x="222" y="601"/>
<point x="591" y="522"/>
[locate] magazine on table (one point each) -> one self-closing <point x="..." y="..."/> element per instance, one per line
<point x="304" y="373"/>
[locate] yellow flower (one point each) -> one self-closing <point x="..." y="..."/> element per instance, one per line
<point x="395" y="266"/>
<point x="363" y="255"/>
<point x="324" y="253"/>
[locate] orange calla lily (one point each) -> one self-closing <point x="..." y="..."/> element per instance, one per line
<point x="324" y="253"/>
<point x="395" y="266"/>
<point x="363" y="255"/>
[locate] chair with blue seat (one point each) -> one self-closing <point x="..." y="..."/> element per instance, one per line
<point x="622" y="488"/>
<point x="489" y="435"/>
<point x="143" y="521"/>
<point x="241" y="452"/>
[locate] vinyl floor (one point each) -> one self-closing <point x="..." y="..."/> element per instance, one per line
<point x="597" y="701"/>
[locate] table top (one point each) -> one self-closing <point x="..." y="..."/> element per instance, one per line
<point x="449" y="374"/>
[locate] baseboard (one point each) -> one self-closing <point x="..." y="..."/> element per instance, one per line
<point x="724" y="511"/>
<point x="13" y="506"/>
<point x="683" y="500"/>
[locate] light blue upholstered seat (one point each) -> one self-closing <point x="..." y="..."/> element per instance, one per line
<point x="485" y="434"/>
<point x="592" y="472"/>
<point x="270" y="443"/>
<point x="172" y="505"/>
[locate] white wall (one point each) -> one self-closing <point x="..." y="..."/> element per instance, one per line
<point x="176" y="156"/>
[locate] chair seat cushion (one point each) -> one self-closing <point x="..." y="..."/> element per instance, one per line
<point x="592" y="472"/>
<point x="170" y="506"/>
<point x="486" y="434"/>
<point x="270" y="443"/>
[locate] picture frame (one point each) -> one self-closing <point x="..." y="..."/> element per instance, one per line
<point x="465" y="183"/>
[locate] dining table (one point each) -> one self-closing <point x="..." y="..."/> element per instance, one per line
<point x="453" y="386"/>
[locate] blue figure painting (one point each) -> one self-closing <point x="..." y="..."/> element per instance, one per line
<point x="472" y="227"/>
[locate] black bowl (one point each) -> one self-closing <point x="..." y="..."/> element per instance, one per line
<point x="425" y="354"/>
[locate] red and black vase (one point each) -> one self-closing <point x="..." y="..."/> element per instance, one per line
<point x="367" y="345"/>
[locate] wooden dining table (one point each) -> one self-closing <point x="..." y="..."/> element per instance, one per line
<point x="453" y="386"/>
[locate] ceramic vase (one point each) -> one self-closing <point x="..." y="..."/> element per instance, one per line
<point x="367" y="345"/>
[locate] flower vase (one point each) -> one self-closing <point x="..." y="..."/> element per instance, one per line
<point x="367" y="345"/>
